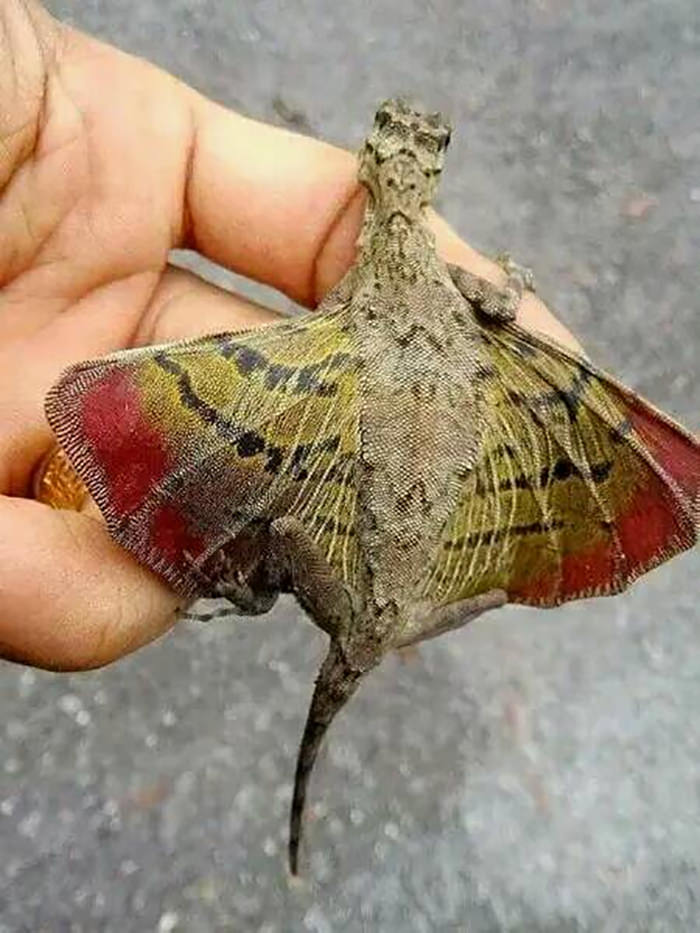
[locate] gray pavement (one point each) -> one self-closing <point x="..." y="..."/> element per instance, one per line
<point x="537" y="772"/>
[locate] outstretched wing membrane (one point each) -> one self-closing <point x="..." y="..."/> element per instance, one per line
<point x="581" y="486"/>
<point x="188" y="446"/>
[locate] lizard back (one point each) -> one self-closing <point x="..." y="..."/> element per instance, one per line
<point x="418" y="409"/>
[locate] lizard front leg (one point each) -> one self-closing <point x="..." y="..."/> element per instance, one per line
<point x="500" y="304"/>
<point x="454" y="616"/>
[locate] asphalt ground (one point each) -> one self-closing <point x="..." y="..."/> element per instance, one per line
<point x="539" y="771"/>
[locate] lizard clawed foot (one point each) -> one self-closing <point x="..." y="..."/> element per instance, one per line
<point x="251" y="594"/>
<point x="499" y="305"/>
<point x="522" y="274"/>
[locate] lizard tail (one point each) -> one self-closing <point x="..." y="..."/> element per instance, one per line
<point x="335" y="684"/>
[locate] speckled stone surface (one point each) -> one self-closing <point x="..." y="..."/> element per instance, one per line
<point x="537" y="772"/>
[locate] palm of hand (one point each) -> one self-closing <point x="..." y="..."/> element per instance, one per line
<point x="106" y="164"/>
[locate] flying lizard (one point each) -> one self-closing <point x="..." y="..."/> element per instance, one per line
<point x="402" y="460"/>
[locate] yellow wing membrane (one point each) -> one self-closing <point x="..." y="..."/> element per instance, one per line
<point x="580" y="487"/>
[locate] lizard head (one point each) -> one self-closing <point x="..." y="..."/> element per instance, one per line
<point x="401" y="159"/>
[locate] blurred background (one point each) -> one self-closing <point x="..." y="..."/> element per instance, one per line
<point x="539" y="771"/>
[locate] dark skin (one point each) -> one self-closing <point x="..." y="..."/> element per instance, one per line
<point x="93" y="195"/>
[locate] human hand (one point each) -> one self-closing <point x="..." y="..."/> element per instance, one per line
<point x="106" y="164"/>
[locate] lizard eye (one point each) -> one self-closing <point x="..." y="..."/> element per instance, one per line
<point x="429" y="143"/>
<point x="382" y="118"/>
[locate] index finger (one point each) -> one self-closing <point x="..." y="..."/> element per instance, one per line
<point x="275" y="206"/>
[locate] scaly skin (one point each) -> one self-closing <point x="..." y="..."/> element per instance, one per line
<point x="402" y="461"/>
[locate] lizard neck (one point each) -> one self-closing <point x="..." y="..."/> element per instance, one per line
<point x="395" y="243"/>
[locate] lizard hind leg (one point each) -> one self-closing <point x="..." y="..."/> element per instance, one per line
<point x="305" y="571"/>
<point x="455" y="615"/>
<point x="336" y="683"/>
